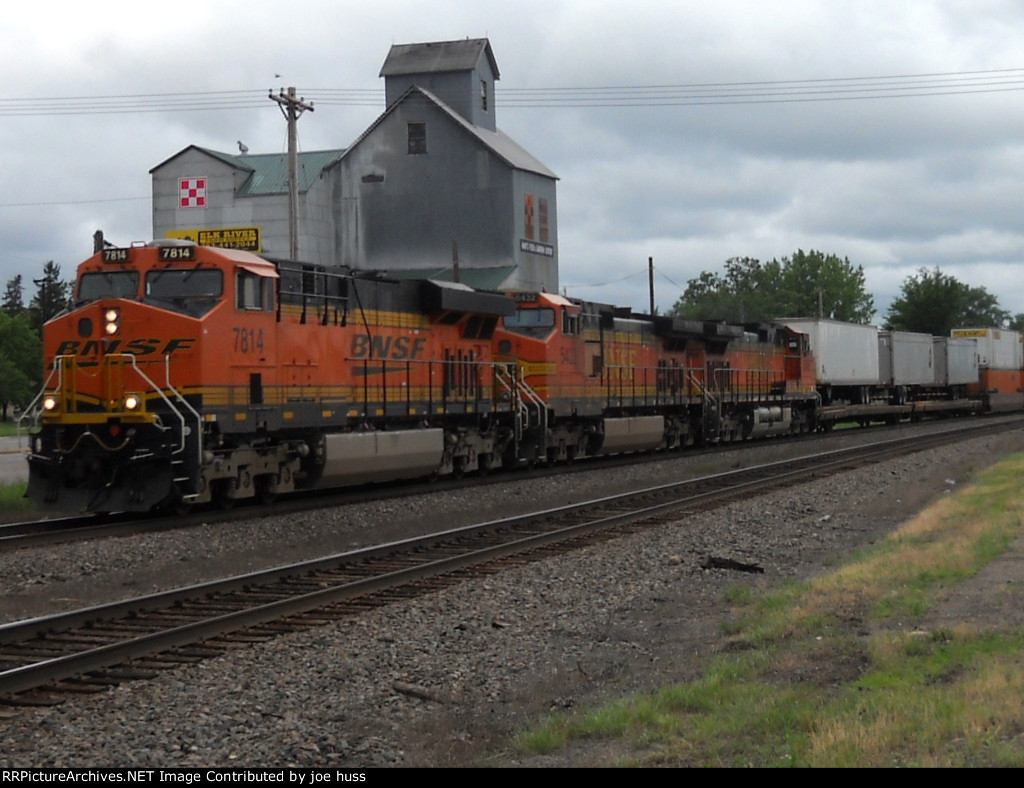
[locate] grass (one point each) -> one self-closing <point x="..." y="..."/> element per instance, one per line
<point x="8" y="428"/>
<point x="11" y="495"/>
<point x="825" y="676"/>
<point x="12" y="498"/>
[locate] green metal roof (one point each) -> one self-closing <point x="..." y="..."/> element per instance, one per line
<point x="269" y="171"/>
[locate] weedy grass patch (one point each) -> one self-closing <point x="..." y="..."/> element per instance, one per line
<point x="12" y="498"/>
<point x="827" y="678"/>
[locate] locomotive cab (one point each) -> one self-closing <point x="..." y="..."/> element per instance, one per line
<point x="596" y="380"/>
<point x="124" y="413"/>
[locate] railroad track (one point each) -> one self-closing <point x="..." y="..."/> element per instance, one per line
<point x="16" y="536"/>
<point x="34" y="533"/>
<point x="43" y="660"/>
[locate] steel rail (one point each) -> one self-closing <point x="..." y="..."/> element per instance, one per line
<point x="683" y="493"/>
<point x="15" y="536"/>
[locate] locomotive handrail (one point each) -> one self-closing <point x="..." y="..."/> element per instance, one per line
<point x="539" y="403"/>
<point x="706" y="395"/>
<point x="195" y="413"/>
<point x="734" y="379"/>
<point x="46" y="384"/>
<point x="520" y="391"/>
<point x="446" y="365"/>
<point x="515" y="400"/>
<point x="159" y="391"/>
<point x="663" y="378"/>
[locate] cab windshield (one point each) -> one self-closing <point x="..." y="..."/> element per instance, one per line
<point x="108" y="284"/>
<point x="194" y="291"/>
<point x="536" y="322"/>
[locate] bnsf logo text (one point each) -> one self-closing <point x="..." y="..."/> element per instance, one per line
<point x="387" y="347"/>
<point x="137" y="347"/>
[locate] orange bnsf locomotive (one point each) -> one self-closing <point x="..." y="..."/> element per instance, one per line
<point x="601" y="380"/>
<point x="185" y="374"/>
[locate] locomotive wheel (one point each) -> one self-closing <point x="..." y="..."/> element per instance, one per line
<point x="174" y="506"/>
<point x="263" y="493"/>
<point x="173" y="503"/>
<point x="222" y="493"/>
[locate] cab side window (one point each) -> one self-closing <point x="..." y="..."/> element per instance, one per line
<point x="253" y="292"/>
<point x="570" y="323"/>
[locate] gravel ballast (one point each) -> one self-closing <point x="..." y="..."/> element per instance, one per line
<point x="446" y="679"/>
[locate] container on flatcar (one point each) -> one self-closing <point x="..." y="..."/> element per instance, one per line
<point x="956" y="361"/>
<point x="998" y="348"/>
<point x="905" y="359"/>
<point x="845" y="354"/>
<point x="1000" y="362"/>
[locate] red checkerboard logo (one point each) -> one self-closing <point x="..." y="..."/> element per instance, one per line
<point x="192" y="192"/>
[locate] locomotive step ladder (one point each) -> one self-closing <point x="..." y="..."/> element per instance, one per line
<point x="531" y="412"/>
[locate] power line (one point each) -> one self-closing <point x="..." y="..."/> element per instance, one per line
<point x="607" y="96"/>
<point x="51" y="203"/>
<point x="639" y="272"/>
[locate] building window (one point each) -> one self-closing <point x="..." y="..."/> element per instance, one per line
<point x="417" y="138"/>
<point x="483" y="95"/>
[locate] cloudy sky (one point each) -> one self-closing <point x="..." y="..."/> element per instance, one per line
<point x="888" y="133"/>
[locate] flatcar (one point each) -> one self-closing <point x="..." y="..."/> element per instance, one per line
<point x="865" y="374"/>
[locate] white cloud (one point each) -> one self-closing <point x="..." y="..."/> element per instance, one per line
<point x="894" y="183"/>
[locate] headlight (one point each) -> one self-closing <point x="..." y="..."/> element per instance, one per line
<point x="111" y="322"/>
<point x="132" y="402"/>
<point x="49" y="404"/>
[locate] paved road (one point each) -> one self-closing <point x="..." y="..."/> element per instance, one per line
<point x="13" y="467"/>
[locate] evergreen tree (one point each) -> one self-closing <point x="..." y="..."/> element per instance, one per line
<point x="52" y="296"/>
<point x="14" y="303"/>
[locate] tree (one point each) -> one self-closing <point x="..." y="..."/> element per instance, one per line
<point x="14" y="303"/>
<point x="52" y="297"/>
<point x="814" y="284"/>
<point x="741" y="295"/>
<point x="20" y="361"/>
<point x="805" y="284"/>
<point x="932" y="302"/>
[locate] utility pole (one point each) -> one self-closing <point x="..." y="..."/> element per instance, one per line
<point x="292" y="108"/>
<point x="650" y="280"/>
